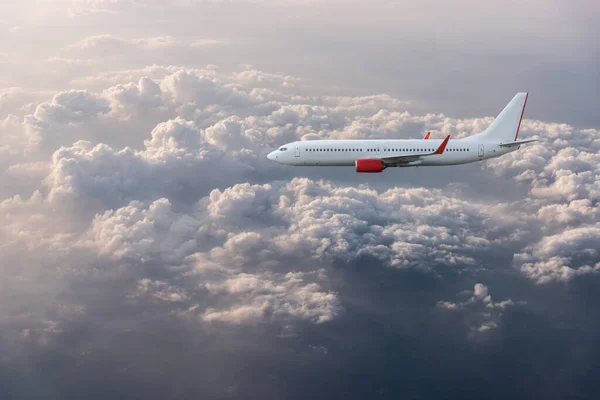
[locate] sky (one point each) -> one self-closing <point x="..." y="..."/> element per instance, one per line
<point x="148" y="249"/>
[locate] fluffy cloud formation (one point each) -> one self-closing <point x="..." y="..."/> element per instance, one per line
<point x="149" y="250"/>
<point x="562" y="256"/>
<point x="146" y="203"/>
<point x="480" y="311"/>
<point x="219" y="120"/>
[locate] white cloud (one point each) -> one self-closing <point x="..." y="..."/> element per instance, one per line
<point x="562" y="256"/>
<point x="159" y="290"/>
<point x="108" y="43"/>
<point x="480" y="312"/>
<point x="265" y="296"/>
<point x="104" y="177"/>
<point x="135" y="196"/>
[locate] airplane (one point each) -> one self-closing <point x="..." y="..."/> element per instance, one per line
<point x="375" y="155"/>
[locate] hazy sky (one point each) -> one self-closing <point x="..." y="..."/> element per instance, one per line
<point x="149" y="250"/>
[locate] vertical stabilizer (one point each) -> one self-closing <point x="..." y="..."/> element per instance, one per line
<point x="505" y="128"/>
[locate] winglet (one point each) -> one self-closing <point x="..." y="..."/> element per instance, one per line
<point x="442" y="147"/>
<point x="427" y="136"/>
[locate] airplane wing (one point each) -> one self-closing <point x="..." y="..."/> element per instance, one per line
<point x="517" y="142"/>
<point x="407" y="158"/>
<point x="427" y="136"/>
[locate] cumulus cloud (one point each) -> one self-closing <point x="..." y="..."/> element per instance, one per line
<point x="17" y="101"/>
<point x="101" y="176"/>
<point x="562" y="256"/>
<point x="482" y="314"/>
<point x="140" y="217"/>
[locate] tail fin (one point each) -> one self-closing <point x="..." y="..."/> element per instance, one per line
<point x="505" y="128"/>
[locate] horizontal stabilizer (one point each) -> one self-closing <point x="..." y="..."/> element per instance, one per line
<point x="518" y="142"/>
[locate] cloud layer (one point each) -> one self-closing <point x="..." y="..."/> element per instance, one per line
<point x="149" y="249"/>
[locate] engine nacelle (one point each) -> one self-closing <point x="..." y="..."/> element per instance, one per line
<point x="369" y="165"/>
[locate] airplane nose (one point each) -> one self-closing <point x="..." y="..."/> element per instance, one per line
<point x="271" y="156"/>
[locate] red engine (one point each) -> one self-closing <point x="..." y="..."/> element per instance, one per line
<point x="369" y="165"/>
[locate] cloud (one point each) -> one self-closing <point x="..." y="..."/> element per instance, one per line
<point x="479" y="310"/>
<point x="147" y="242"/>
<point x="108" y="43"/>
<point x="562" y="256"/>
<point x="134" y="52"/>
<point x="260" y="297"/>
<point x="17" y="101"/>
<point x="101" y="176"/>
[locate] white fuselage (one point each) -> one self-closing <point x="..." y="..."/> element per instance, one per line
<point x="346" y="152"/>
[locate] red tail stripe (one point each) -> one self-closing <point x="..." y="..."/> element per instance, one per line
<point x="522" y="112"/>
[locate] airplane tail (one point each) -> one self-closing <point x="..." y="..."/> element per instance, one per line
<point x="505" y="128"/>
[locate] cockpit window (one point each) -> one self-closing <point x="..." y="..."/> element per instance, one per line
<point x="282" y="148"/>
